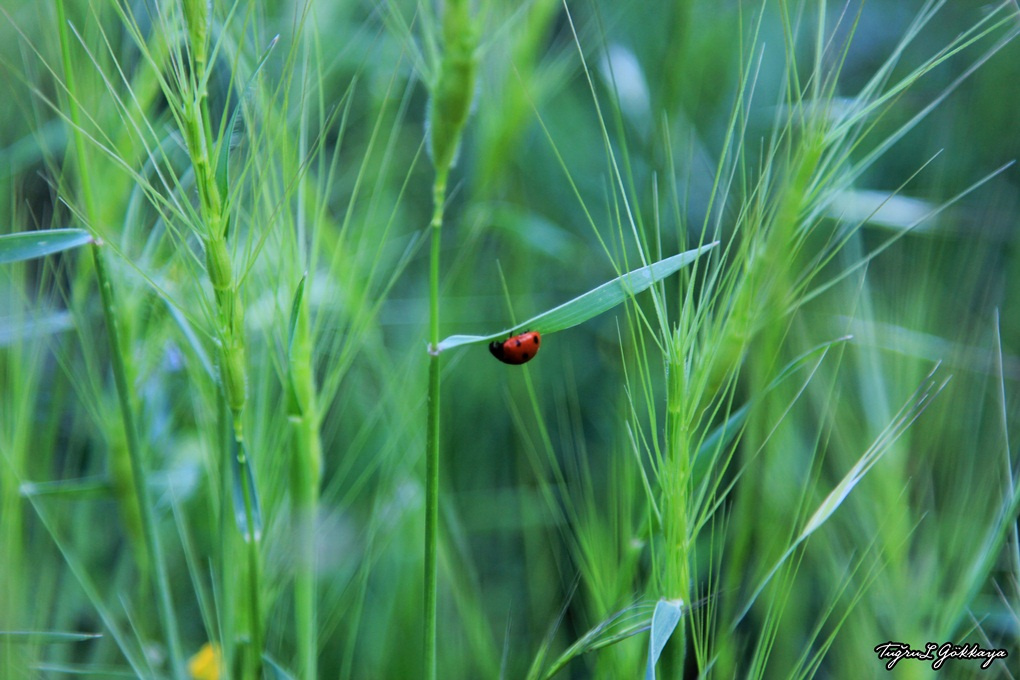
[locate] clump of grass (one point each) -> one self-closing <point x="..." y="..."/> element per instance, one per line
<point x="739" y="478"/>
<point x="737" y="318"/>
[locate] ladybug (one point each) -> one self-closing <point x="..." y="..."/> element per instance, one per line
<point x="519" y="349"/>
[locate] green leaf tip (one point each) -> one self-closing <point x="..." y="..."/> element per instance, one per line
<point x="28" y="245"/>
<point x="242" y="476"/>
<point x="223" y="164"/>
<point x="295" y="310"/>
<point x="592" y="303"/>
<point x="664" y="621"/>
<point x="45" y="637"/>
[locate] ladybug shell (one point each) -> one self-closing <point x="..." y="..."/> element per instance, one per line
<point x="517" y="350"/>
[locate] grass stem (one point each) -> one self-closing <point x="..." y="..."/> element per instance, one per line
<point x="432" y="434"/>
<point x="253" y="660"/>
<point x="306" y="475"/>
<point x="139" y="469"/>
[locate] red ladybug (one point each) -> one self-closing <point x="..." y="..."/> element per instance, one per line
<point x="519" y="349"/>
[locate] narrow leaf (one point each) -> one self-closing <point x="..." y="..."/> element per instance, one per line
<point x="274" y="671"/>
<point x="664" y="620"/>
<point x="222" y="164"/>
<point x="87" y="670"/>
<point x="243" y="475"/>
<point x="622" y="625"/>
<point x="903" y="419"/>
<point x="295" y="310"/>
<point x="294" y="404"/>
<point x="724" y="433"/>
<point x="28" y="245"/>
<point x="45" y="637"/>
<point x="86" y="487"/>
<point x="592" y="303"/>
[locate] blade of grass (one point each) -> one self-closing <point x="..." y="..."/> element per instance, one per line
<point x="223" y="164"/>
<point x="664" y="621"/>
<point x="28" y="245"/>
<point x="91" y="487"/>
<point x="592" y="303"/>
<point x="623" y="624"/>
<point x="906" y="416"/>
<point x="306" y="473"/>
<point x="139" y="468"/>
<point x="47" y="636"/>
<point x="247" y="507"/>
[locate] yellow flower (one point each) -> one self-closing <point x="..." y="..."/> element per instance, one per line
<point x="205" y="665"/>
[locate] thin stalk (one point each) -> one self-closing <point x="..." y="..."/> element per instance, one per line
<point x="227" y="536"/>
<point x="214" y="230"/>
<point x="12" y="539"/>
<point x="230" y="321"/>
<point x="676" y="510"/>
<point x="139" y="469"/>
<point x="432" y="435"/>
<point x="84" y="178"/>
<point x="452" y="92"/>
<point x="304" y="577"/>
<point x="253" y="660"/>
<point x="306" y="473"/>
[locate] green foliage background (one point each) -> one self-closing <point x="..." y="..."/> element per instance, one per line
<point x="604" y="135"/>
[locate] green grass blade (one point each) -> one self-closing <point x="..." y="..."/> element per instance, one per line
<point x="274" y="671"/>
<point x="28" y="245"/>
<point x="620" y="626"/>
<point x="222" y="165"/>
<point x="46" y="637"/>
<point x="90" y="487"/>
<point x="89" y="670"/>
<point x="664" y="621"/>
<point x="724" y="433"/>
<point x="295" y="309"/>
<point x="904" y="418"/>
<point x="243" y="478"/>
<point x="592" y="303"/>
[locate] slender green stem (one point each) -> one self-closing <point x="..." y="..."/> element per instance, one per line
<point x="432" y="435"/>
<point x="306" y="473"/>
<point x="84" y="178"/>
<point x="304" y="586"/>
<point x="139" y="469"/>
<point x="306" y="456"/>
<point x="227" y="535"/>
<point x="253" y="659"/>
<point x="215" y="212"/>
<point x="676" y="509"/>
<point x="450" y="105"/>
<point x="431" y="518"/>
<point x="438" y="204"/>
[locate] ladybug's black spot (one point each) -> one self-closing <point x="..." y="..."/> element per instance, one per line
<point x="525" y="356"/>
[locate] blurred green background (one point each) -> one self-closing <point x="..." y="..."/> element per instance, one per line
<point x="588" y="116"/>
